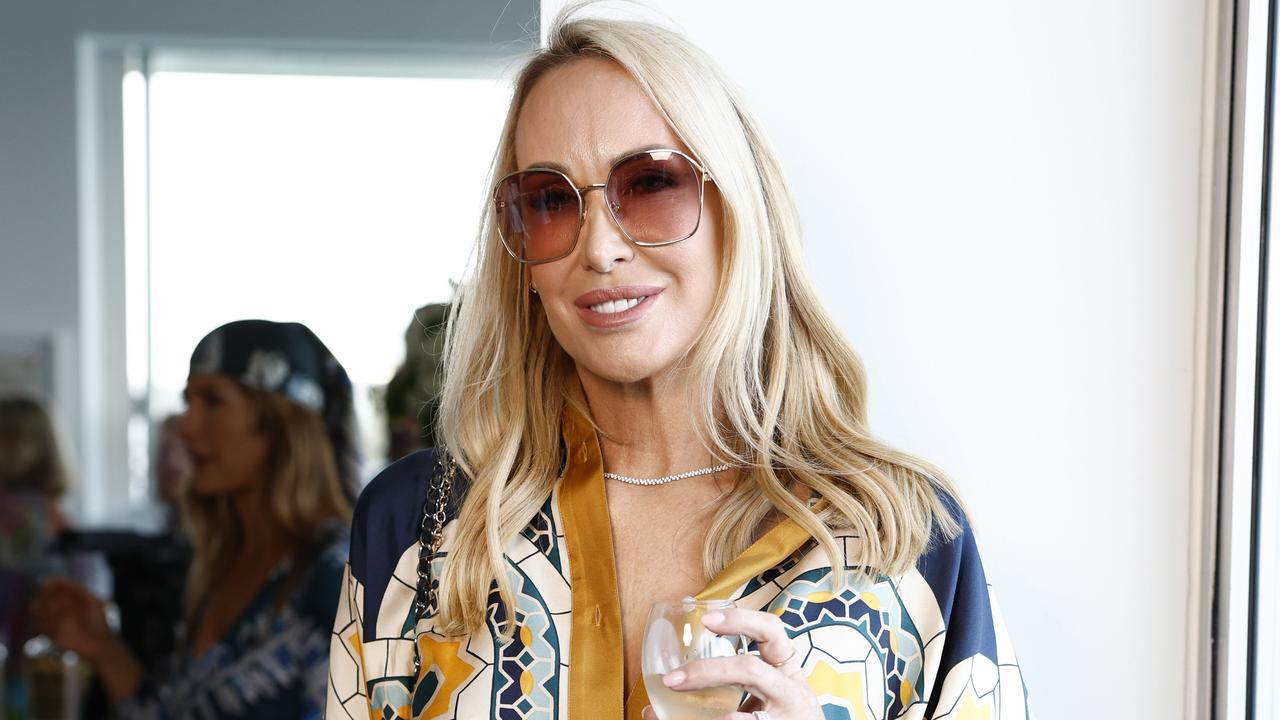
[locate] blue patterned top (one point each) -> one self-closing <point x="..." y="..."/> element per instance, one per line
<point x="270" y="664"/>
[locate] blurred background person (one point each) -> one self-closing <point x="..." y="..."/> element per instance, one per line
<point x="173" y="468"/>
<point x="33" y="478"/>
<point x="270" y="431"/>
<point x="413" y="394"/>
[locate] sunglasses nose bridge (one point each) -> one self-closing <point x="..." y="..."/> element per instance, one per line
<point x="599" y="253"/>
<point x="582" y="192"/>
<point x="588" y="188"/>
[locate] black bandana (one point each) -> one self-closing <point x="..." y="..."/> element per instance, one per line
<point x="285" y="358"/>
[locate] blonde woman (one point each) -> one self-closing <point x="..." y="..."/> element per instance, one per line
<point x="33" y="478"/>
<point x="268" y="428"/>
<point x="643" y="401"/>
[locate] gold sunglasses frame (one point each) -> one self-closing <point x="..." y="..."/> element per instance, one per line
<point x="580" y="193"/>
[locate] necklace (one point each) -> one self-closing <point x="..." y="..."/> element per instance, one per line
<point x="665" y="478"/>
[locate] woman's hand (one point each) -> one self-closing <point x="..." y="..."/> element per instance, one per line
<point x="76" y="620"/>
<point x="73" y="618"/>
<point x="772" y="678"/>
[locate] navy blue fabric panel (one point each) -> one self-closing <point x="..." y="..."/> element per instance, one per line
<point x="954" y="572"/>
<point x="317" y="598"/>
<point x="385" y="524"/>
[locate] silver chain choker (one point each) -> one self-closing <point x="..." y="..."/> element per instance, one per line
<point x="665" y="478"/>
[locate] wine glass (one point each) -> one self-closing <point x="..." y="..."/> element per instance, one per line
<point x="674" y="636"/>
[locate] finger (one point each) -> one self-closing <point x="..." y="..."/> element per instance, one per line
<point x="52" y="607"/>
<point x="49" y="589"/>
<point x="56" y="601"/>
<point x="747" y="671"/>
<point x="765" y="628"/>
<point x="57" y="612"/>
<point x="62" y="590"/>
<point x="648" y="714"/>
<point x="54" y="617"/>
<point x="61" y="584"/>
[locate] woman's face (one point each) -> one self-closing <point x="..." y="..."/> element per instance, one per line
<point x="581" y="118"/>
<point x="221" y="430"/>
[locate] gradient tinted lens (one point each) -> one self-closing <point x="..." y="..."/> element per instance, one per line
<point x="656" y="196"/>
<point x="538" y="214"/>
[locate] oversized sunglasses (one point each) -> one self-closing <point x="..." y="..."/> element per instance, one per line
<point x="654" y="196"/>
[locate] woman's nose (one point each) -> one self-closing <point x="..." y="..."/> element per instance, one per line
<point x="603" y="244"/>
<point x="186" y="425"/>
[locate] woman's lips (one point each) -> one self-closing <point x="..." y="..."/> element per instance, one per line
<point x="594" y="307"/>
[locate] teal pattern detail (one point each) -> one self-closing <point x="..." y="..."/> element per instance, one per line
<point x="543" y="533"/>
<point x="534" y="649"/>
<point x="873" y="608"/>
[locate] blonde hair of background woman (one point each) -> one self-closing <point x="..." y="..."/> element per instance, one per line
<point x="29" y="457"/>
<point x="303" y="494"/>
<point x="775" y="388"/>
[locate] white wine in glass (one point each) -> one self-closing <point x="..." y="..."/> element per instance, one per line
<point x="674" y="636"/>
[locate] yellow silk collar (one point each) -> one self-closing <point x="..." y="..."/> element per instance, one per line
<point x="595" y="658"/>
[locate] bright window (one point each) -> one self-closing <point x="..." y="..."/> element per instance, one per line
<point x="344" y="203"/>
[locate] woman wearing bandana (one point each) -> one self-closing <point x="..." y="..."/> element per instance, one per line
<point x="269" y="427"/>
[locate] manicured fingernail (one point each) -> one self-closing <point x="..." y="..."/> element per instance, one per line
<point x="713" y="618"/>
<point x="673" y="678"/>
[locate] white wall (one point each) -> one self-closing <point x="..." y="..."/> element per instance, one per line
<point x="42" y="277"/>
<point x="1000" y="201"/>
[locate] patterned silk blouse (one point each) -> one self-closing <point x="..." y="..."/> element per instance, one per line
<point x="928" y="644"/>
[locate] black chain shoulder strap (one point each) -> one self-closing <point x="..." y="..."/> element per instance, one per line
<point x="430" y="534"/>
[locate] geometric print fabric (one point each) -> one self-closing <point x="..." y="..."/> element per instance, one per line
<point x="929" y="644"/>
<point x="869" y="647"/>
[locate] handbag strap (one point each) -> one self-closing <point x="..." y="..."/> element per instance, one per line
<point x="430" y="535"/>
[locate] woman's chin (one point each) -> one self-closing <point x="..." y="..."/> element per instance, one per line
<point x="623" y="373"/>
<point x="203" y="488"/>
<point x="209" y="484"/>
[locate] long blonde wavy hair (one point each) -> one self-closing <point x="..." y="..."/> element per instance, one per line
<point x="776" y="389"/>
<point x="304" y="494"/>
